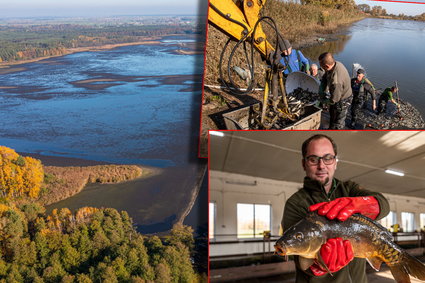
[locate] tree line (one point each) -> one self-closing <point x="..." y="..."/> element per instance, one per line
<point x="35" y="41"/>
<point x="92" y="245"/>
<point x="378" y="11"/>
<point x="374" y="11"/>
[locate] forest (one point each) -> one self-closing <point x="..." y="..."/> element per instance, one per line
<point x="88" y="245"/>
<point x="23" y="42"/>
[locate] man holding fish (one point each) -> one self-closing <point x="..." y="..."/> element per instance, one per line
<point x="333" y="199"/>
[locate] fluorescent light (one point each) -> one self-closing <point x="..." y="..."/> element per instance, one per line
<point x="216" y="133"/>
<point x="398" y="173"/>
<point x="232" y="182"/>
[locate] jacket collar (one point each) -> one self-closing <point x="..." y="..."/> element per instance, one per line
<point x="316" y="186"/>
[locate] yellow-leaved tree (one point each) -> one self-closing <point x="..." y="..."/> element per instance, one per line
<point x="19" y="175"/>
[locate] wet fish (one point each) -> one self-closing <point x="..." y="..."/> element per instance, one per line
<point x="368" y="238"/>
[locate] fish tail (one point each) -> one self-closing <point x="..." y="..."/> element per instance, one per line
<point x="405" y="266"/>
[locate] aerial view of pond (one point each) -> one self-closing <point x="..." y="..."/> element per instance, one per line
<point x="129" y="105"/>
<point x="389" y="50"/>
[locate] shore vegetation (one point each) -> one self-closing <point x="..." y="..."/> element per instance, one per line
<point x="379" y="12"/>
<point x="88" y="245"/>
<point x="63" y="182"/>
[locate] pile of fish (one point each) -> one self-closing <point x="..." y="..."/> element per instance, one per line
<point x="278" y="118"/>
<point x="369" y="240"/>
<point x="304" y="96"/>
<point x="408" y="117"/>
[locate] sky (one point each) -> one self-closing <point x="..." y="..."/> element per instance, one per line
<point x="411" y="9"/>
<point x="87" y="8"/>
<point x="26" y="8"/>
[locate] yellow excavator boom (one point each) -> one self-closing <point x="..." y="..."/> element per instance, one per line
<point x="238" y="21"/>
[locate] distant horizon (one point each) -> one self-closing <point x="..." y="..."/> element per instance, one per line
<point x="96" y="8"/>
<point x="98" y="16"/>
<point x="110" y="8"/>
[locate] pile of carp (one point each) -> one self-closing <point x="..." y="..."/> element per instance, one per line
<point x="407" y="117"/>
<point x="277" y="117"/>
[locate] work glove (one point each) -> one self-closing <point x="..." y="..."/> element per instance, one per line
<point x="336" y="253"/>
<point x="343" y="208"/>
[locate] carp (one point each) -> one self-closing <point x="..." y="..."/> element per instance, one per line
<point x="369" y="240"/>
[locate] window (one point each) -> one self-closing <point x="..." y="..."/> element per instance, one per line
<point x="211" y="220"/>
<point x="253" y="219"/>
<point x="422" y="219"/>
<point x="408" y="221"/>
<point x="389" y="220"/>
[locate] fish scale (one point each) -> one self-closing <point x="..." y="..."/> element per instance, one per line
<point x="369" y="240"/>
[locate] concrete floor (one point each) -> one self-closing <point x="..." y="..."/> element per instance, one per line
<point x="384" y="276"/>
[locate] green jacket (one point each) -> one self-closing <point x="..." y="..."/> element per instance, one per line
<point x="387" y="94"/>
<point x="297" y="207"/>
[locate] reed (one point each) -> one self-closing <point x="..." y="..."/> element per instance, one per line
<point x="63" y="182"/>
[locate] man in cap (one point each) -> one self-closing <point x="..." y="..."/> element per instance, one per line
<point x="361" y="86"/>
<point x="337" y="80"/>
<point x="293" y="60"/>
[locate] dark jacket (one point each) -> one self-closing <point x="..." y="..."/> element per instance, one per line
<point x="338" y="82"/>
<point x="362" y="88"/>
<point x="313" y="192"/>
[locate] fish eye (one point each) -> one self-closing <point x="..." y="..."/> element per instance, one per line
<point x="299" y="236"/>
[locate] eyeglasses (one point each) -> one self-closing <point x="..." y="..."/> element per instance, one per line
<point x="328" y="159"/>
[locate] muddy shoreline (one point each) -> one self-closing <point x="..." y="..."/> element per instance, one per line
<point x="159" y="218"/>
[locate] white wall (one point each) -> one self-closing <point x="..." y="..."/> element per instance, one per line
<point x="226" y="190"/>
<point x="401" y="204"/>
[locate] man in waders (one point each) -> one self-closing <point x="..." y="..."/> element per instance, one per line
<point x="361" y="86"/>
<point x="337" y="80"/>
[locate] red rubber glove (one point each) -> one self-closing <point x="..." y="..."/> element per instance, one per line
<point x="336" y="253"/>
<point x="343" y="208"/>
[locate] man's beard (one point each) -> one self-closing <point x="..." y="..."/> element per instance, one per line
<point x="324" y="182"/>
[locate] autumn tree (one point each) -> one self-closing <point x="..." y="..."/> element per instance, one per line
<point x="364" y="8"/>
<point x="378" y="11"/>
<point x="338" y="4"/>
<point x="19" y="176"/>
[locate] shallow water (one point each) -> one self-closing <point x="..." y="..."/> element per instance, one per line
<point x="135" y="118"/>
<point x="129" y="105"/>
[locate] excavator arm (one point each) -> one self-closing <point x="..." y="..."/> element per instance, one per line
<point x="239" y="21"/>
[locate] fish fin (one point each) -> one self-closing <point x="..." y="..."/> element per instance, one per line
<point x="374" y="262"/>
<point x="305" y="263"/>
<point x="400" y="274"/>
<point x="322" y="264"/>
<point x="413" y="266"/>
